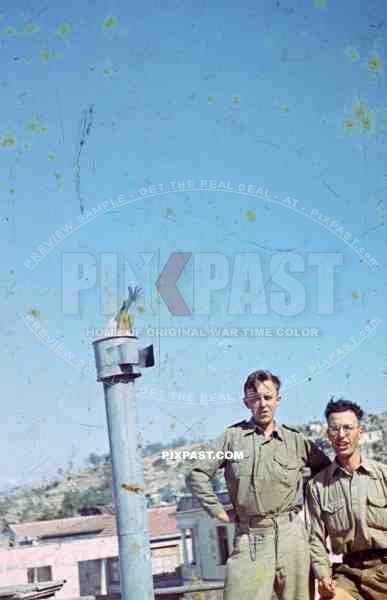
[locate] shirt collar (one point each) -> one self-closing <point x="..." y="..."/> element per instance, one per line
<point x="365" y="465"/>
<point x="250" y="426"/>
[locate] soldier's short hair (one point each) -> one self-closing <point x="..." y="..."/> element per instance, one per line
<point x="258" y="377"/>
<point x="341" y="405"/>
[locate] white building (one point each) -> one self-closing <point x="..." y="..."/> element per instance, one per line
<point x="207" y="543"/>
<point x="83" y="551"/>
<point x="372" y="436"/>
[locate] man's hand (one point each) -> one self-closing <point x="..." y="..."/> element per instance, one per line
<point x="326" y="588"/>
<point x="225" y="518"/>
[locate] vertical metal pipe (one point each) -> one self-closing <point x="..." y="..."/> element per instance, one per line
<point x="128" y="484"/>
<point x="116" y="360"/>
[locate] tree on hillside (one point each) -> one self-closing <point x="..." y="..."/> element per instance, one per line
<point x="168" y="494"/>
<point x="161" y="463"/>
<point x="28" y="511"/>
<point x="153" y="448"/>
<point x="70" y="504"/>
<point x="4" y="505"/>
<point x="48" y="514"/>
<point x="95" y="460"/>
<point x="180" y="441"/>
<point x="74" y="501"/>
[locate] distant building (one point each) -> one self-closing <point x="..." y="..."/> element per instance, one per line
<point x="207" y="543"/>
<point x="84" y="552"/>
<point x="316" y="428"/>
<point x="371" y="436"/>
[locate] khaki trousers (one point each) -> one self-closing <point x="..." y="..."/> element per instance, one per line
<point x="269" y="562"/>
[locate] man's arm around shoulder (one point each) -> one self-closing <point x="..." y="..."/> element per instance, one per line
<point x="316" y="459"/>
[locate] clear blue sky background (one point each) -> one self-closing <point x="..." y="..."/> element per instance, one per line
<point x="263" y="94"/>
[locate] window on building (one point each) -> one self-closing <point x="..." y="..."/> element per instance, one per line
<point x="89" y="577"/>
<point x="38" y="574"/>
<point x="222" y="544"/>
<point x="113" y="572"/>
<point x="166" y="559"/>
<point x="192" y="547"/>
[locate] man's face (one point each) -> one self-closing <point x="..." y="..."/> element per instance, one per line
<point x="263" y="402"/>
<point x="344" y="432"/>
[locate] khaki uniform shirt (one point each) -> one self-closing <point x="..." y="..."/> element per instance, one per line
<point x="350" y="509"/>
<point x="267" y="480"/>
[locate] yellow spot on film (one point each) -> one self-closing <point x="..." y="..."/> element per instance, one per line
<point x="352" y="54"/>
<point x="109" y="23"/>
<point x="8" y="140"/>
<point x="375" y="64"/>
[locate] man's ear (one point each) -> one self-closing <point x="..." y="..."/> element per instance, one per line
<point x="245" y="402"/>
<point x="279" y="397"/>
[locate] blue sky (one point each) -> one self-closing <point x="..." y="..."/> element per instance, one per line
<point x="102" y="100"/>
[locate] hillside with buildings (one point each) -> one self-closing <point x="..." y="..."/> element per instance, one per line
<point x="89" y="490"/>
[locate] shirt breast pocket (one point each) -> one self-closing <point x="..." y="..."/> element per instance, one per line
<point x="241" y="467"/>
<point x="377" y="512"/>
<point x="286" y="470"/>
<point x="335" y="516"/>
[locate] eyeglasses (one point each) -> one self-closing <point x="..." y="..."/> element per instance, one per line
<point x="347" y="429"/>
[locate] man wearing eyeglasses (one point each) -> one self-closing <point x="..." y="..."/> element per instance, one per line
<point x="347" y="501"/>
